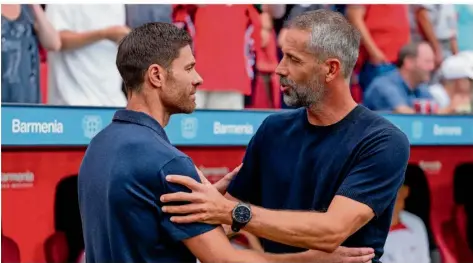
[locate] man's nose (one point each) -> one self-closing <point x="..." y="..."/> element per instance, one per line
<point x="281" y="70"/>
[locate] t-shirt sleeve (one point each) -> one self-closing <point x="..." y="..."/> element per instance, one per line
<point x="60" y="16"/>
<point x="246" y="185"/>
<point x="179" y="232"/>
<point x="379" y="171"/>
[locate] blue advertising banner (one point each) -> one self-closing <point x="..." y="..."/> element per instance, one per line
<point x="73" y="126"/>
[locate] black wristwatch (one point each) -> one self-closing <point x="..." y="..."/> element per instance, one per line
<point x="241" y="215"/>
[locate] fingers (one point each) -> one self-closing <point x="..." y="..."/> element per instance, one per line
<point x="187" y="219"/>
<point x="230" y="175"/>
<point x="186" y="181"/>
<point x="356" y="251"/>
<point x="361" y="259"/>
<point x="202" y="177"/>
<point x="184" y="209"/>
<point x="181" y="197"/>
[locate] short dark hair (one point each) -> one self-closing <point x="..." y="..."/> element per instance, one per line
<point x="152" y="43"/>
<point x="331" y="36"/>
<point x="410" y="50"/>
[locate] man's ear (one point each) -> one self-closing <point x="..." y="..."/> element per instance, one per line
<point x="334" y="69"/>
<point x="156" y="75"/>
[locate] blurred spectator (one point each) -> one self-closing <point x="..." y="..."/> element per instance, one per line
<point x="437" y="25"/>
<point x="24" y="28"/>
<point x="399" y="90"/>
<point x="225" y="37"/>
<point x="407" y="241"/>
<point x="84" y="71"/>
<point x="384" y="30"/>
<point x="140" y="14"/>
<point x="265" y="86"/>
<point x="465" y="27"/>
<point x="453" y="92"/>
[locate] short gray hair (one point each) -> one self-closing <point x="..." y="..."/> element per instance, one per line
<point x="332" y="36"/>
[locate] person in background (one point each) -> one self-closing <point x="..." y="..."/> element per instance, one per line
<point x="456" y="77"/>
<point x="24" y="28"/>
<point x="140" y="14"/>
<point x="437" y="25"/>
<point x="398" y="91"/>
<point x="384" y="31"/>
<point x="465" y="27"/>
<point x="228" y="73"/>
<point x="83" y="72"/>
<point x="407" y="240"/>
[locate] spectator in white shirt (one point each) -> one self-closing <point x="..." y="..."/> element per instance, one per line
<point x="453" y="91"/>
<point x="407" y="240"/>
<point x="83" y="72"/>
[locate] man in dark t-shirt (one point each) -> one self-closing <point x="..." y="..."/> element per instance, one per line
<point x="319" y="176"/>
<point x="122" y="175"/>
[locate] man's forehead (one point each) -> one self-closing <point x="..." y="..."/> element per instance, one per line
<point x="185" y="56"/>
<point x="296" y="39"/>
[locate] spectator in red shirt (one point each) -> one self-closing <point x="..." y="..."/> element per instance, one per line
<point x="384" y="30"/>
<point x="225" y="37"/>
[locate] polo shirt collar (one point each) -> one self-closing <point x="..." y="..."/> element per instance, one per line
<point x="401" y="82"/>
<point x="142" y="119"/>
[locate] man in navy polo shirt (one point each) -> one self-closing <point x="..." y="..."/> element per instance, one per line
<point x="398" y="90"/>
<point x="317" y="177"/>
<point x="123" y="171"/>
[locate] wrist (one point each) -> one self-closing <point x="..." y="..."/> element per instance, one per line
<point x="226" y="216"/>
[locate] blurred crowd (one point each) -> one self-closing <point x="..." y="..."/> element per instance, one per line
<point x="413" y="58"/>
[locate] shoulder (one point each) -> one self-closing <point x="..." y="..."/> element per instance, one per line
<point x="136" y="145"/>
<point x="380" y="133"/>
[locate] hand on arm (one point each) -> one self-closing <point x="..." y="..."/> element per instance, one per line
<point x="368" y="190"/>
<point x="221" y="250"/>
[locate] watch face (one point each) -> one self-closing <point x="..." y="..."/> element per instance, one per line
<point x="242" y="214"/>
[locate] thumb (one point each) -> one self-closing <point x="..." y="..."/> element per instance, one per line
<point x="231" y="174"/>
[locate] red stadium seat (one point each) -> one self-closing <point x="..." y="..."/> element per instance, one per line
<point x="56" y="249"/>
<point x="10" y="250"/>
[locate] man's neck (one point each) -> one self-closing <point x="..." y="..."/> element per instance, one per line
<point x="138" y="102"/>
<point x="411" y="82"/>
<point x="333" y="109"/>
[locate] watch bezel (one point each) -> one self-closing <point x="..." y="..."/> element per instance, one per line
<point x="244" y="206"/>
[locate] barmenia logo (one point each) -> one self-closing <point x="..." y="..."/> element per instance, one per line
<point x="19" y="126"/>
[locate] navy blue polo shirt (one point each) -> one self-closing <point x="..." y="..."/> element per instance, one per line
<point x="390" y="91"/>
<point x="121" y="179"/>
<point x="293" y="165"/>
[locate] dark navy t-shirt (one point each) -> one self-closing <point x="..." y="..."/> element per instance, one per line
<point x="293" y="165"/>
<point x="121" y="179"/>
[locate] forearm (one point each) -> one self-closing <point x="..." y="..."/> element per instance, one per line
<point x="366" y="38"/>
<point x="454" y="45"/>
<point x="47" y="35"/>
<point x="309" y="230"/>
<point x="302" y="257"/>
<point x="74" y="40"/>
<point x="427" y="28"/>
